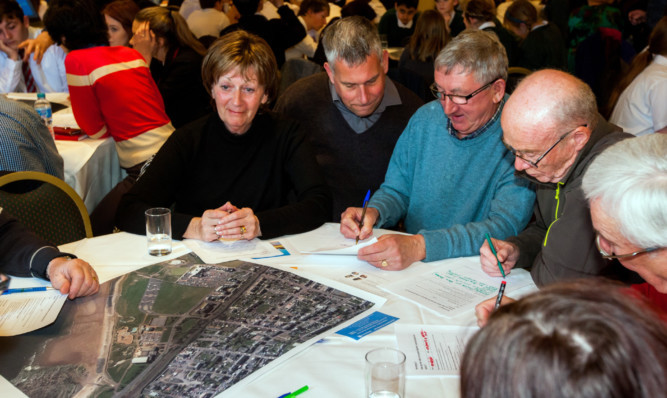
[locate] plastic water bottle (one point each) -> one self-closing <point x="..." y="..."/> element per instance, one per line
<point x="43" y="107"/>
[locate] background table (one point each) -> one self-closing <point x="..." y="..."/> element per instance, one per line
<point x="91" y="168"/>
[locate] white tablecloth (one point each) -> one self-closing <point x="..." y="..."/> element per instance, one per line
<point x="332" y="368"/>
<point x="91" y="168"/>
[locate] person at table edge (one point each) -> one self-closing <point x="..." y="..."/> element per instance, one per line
<point x="353" y="113"/>
<point x="450" y="176"/>
<point x="552" y="125"/>
<point x="239" y="156"/>
<point x="24" y="254"/>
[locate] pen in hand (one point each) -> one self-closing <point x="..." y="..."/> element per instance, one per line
<point x="363" y="214"/>
<point x="493" y="250"/>
<point x="28" y="289"/>
<point x="501" y="291"/>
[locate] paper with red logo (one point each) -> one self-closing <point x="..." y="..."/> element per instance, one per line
<point x="433" y="350"/>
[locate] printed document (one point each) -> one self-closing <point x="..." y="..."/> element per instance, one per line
<point x="457" y="286"/>
<point x="433" y="350"/>
<point x="24" y="312"/>
<point x="220" y="251"/>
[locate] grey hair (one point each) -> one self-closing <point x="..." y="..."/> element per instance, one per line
<point x="630" y="180"/>
<point x="585" y="338"/>
<point x="477" y="52"/>
<point x="351" y="40"/>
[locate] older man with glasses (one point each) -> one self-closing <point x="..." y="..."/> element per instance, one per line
<point x="450" y="178"/>
<point x="552" y="126"/>
<point x="626" y="187"/>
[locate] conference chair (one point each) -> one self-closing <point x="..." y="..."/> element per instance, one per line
<point x="514" y="76"/>
<point x="46" y="205"/>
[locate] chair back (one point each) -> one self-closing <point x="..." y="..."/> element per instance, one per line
<point x="46" y="205"/>
<point x="514" y="76"/>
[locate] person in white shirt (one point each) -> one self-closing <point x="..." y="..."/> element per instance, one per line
<point x="208" y="21"/>
<point x="313" y="16"/>
<point x="49" y="76"/>
<point x="641" y="96"/>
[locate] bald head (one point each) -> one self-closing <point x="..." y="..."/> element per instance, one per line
<point x="550" y="100"/>
<point x="546" y="106"/>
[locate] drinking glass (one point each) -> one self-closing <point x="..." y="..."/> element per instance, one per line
<point x="158" y="231"/>
<point x="385" y="373"/>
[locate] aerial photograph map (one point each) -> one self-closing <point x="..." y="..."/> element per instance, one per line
<point x="173" y="329"/>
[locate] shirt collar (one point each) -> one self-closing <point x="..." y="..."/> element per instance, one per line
<point x="487" y="24"/>
<point x="390" y="97"/>
<point x="361" y="124"/>
<point x="407" y="25"/>
<point x="454" y="133"/>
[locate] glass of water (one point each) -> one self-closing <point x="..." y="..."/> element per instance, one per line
<point x="385" y="373"/>
<point x="158" y="231"/>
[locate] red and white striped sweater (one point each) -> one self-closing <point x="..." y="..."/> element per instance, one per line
<point x="113" y="94"/>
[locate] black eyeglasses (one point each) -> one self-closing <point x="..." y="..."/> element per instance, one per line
<point x="606" y="255"/>
<point x="459" y="99"/>
<point x="519" y="155"/>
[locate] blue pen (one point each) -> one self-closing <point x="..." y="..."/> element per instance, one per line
<point x="363" y="214"/>
<point x="29" y="289"/>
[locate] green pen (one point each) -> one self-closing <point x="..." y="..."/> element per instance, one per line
<point x="297" y="392"/>
<point x="493" y="250"/>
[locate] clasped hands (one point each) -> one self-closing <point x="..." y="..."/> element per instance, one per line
<point x="226" y="222"/>
<point x="392" y="252"/>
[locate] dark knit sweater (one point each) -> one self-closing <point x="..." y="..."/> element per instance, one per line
<point x="543" y="48"/>
<point x="396" y="35"/>
<point x="179" y="82"/>
<point x="203" y="165"/>
<point x="352" y="163"/>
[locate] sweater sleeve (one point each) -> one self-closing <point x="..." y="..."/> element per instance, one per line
<point x="85" y="104"/>
<point x="529" y="241"/>
<point x="10" y="74"/>
<point x="313" y="203"/>
<point x="22" y="253"/>
<point x="286" y="31"/>
<point x="509" y="213"/>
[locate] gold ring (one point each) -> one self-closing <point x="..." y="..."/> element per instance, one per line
<point x="242" y="230"/>
<point x="95" y="278"/>
<point x="384" y="263"/>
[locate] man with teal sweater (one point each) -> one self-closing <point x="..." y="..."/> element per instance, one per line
<point x="450" y="178"/>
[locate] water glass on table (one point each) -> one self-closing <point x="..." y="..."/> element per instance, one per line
<point x="385" y="373"/>
<point x="158" y="231"/>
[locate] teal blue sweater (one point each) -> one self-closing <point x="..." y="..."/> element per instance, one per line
<point x="452" y="191"/>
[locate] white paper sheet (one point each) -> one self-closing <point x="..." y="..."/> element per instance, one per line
<point x="24" y="312"/>
<point x="109" y="262"/>
<point x="221" y="251"/>
<point x="9" y="391"/>
<point x="347" y="247"/>
<point x="327" y="239"/>
<point x="433" y="350"/>
<point x="456" y="287"/>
